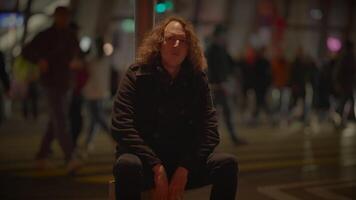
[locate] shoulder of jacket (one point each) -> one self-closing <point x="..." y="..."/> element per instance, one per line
<point x="47" y="30"/>
<point x="201" y="75"/>
<point x="44" y="33"/>
<point x="141" y="70"/>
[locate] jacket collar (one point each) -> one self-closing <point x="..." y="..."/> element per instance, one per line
<point x="183" y="76"/>
<point x="157" y="70"/>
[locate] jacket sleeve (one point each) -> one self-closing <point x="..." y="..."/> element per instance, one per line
<point x="123" y="121"/>
<point x="35" y="50"/>
<point x="209" y="137"/>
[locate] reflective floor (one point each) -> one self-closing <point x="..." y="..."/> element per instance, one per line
<point x="292" y="162"/>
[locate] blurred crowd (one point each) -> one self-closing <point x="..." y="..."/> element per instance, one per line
<point x="269" y="88"/>
<point x="53" y="75"/>
<point x="250" y="89"/>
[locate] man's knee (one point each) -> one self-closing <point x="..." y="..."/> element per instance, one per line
<point x="227" y="163"/>
<point x="127" y="165"/>
<point x="231" y="164"/>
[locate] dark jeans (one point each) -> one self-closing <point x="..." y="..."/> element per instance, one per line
<point x="260" y="101"/>
<point x="75" y="116"/>
<point x="30" y="103"/>
<point x="221" y="99"/>
<point x="57" y="128"/>
<point x="341" y="107"/>
<point x="97" y="117"/>
<point x="2" y="106"/>
<point x="133" y="176"/>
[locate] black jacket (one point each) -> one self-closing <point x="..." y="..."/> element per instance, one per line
<point x="58" y="47"/>
<point x="220" y="63"/>
<point x="160" y="119"/>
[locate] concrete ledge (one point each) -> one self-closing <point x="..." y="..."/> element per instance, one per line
<point x="146" y="195"/>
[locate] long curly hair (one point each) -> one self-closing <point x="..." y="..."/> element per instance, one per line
<point x="149" y="50"/>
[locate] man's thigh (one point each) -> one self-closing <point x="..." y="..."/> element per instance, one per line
<point x="204" y="173"/>
<point x="146" y="178"/>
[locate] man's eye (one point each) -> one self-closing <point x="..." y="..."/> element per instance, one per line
<point x="182" y="40"/>
<point x="170" y="39"/>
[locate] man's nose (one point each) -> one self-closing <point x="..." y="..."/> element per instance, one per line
<point x="176" y="44"/>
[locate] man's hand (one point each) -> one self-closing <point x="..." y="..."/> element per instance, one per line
<point x="177" y="184"/>
<point x="161" y="183"/>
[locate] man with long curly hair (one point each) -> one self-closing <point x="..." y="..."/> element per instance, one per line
<point x="164" y="121"/>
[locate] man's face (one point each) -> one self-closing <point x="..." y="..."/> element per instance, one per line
<point x="175" y="45"/>
<point x="61" y="19"/>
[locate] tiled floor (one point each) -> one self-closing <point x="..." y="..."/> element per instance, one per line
<point x="289" y="163"/>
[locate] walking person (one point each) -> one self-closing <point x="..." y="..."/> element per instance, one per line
<point x="344" y="83"/>
<point x="220" y="66"/>
<point x="53" y="50"/>
<point x="96" y="91"/>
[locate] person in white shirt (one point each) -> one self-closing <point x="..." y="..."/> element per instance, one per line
<point x="96" y="91"/>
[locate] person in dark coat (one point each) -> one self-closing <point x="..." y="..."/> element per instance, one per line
<point x="263" y="80"/>
<point x="303" y="78"/>
<point x="344" y="82"/>
<point x="53" y="50"/>
<point x="325" y="90"/>
<point x="220" y="67"/>
<point x="165" y="123"/>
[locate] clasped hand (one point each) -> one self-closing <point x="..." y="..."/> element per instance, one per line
<point x="169" y="191"/>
